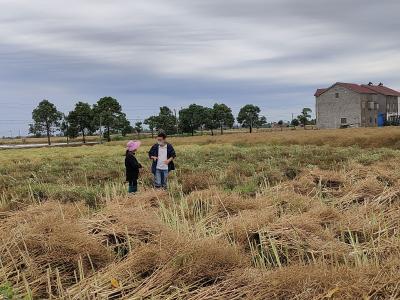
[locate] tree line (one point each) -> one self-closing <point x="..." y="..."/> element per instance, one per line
<point x="107" y="115"/>
<point x="83" y="120"/>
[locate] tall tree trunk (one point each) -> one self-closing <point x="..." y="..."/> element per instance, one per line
<point x="108" y="134"/>
<point x="212" y="132"/>
<point x="152" y="132"/>
<point x="222" y="130"/>
<point x="251" y="129"/>
<point x="48" y="134"/>
<point x="83" y="136"/>
<point x="67" y="134"/>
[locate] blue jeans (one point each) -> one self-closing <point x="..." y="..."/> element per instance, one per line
<point x="160" y="178"/>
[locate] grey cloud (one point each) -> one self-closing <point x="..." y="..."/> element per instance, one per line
<point x="149" y="53"/>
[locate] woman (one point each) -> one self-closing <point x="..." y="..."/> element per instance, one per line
<point x="132" y="165"/>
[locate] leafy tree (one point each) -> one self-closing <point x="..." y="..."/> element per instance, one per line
<point x="192" y="118"/>
<point x="152" y="123"/>
<point x="262" y="121"/>
<point x="123" y="125"/>
<point x="280" y="122"/>
<point x="206" y="119"/>
<point x="36" y="130"/>
<point x="186" y="120"/>
<point x="165" y="121"/>
<point x="108" y="112"/>
<point x="81" y="119"/>
<point x="295" y="122"/>
<point x="249" y="116"/>
<point x="222" y="114"/>
<point x="127" y="130"/>
<point x="138" y="127"/>
<point x="68" y="130"/>
<point x="210" y="122"/>
<point x="304" y="116"/>
<point x="46" y="119"/>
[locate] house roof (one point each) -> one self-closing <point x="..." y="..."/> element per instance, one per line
<point x="351" y="86"/>
<point x="381" y="89"/>
<point x="356" y="88"/>
<point x="319" y="92"/>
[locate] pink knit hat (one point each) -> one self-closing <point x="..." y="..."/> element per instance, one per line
<point x="133" y="145"/>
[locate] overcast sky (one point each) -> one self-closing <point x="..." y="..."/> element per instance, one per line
<point x="149" y="53"/>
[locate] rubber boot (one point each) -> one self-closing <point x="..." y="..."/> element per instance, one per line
<point x="132" y="189"/>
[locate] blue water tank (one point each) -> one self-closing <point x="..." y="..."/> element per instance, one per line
<point x="381" y="120"/>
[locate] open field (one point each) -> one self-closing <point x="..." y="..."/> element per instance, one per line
<point x="278" y="215"/>
<point x="363" y="137"/>
<point x="58" y="139"/>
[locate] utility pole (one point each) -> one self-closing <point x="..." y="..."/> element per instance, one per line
<point x="176" y="121"/>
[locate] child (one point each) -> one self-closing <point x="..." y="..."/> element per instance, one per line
<point x="132" y="165"/>
<point x="163" y="155"/>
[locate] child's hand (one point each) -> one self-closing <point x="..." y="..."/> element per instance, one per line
<point x="154" y="157"/>
<point x="166" y="162"/>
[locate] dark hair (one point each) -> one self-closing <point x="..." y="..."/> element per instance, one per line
<point x="162" y="135"/>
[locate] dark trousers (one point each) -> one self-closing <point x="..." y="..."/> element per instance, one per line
<point x="132" y="188"/>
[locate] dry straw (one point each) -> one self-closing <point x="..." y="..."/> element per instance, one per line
<point x="319" y="233"/>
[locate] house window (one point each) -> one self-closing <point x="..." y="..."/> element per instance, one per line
<point x="337" y="95"/>
<point x="343" y="121"/>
